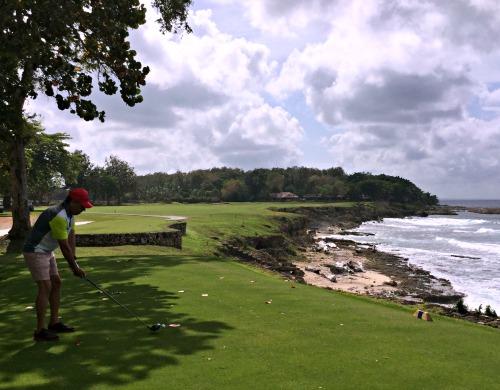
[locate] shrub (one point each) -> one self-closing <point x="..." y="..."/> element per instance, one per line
<point x="490" y="312"/>
<point x="461" y="307"/>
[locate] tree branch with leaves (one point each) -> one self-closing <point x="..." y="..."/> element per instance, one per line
<point x="60" y="49"/>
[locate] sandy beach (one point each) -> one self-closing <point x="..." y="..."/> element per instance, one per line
<point x="369" y="282"/>
<point x="379" y="274"/>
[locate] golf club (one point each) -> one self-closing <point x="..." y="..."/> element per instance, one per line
<point x="152" y="328"/>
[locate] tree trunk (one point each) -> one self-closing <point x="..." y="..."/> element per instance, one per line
<point x="7" y="201"/>
<point x="21" y="223"/>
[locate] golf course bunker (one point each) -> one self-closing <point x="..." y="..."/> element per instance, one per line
<point x="83" y="222"/>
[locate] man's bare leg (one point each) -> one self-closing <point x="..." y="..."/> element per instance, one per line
<point x="42" y="302"/>
<point x="55" y="299"/>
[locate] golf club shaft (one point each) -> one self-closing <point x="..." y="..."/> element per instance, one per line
<point x="114" y="299"/>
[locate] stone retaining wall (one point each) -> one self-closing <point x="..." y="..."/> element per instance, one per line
<point x="179" y="226"/>
<point x="171" y="239"/>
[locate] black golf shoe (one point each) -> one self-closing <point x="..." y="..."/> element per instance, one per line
<point x="61" y="328"/>
<point x="45" y="335"/>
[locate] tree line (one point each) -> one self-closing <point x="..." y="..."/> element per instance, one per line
<point x="52" y="169"/>
<point x="236" y="185"/>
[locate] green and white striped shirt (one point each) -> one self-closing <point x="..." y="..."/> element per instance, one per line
<point x="52" y="225"/>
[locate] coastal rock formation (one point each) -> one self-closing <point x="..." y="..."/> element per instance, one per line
<point x="413" y="284"/>
<point x="264" y="260"/>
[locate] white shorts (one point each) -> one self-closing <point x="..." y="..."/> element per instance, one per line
<point x="41" y="265"/>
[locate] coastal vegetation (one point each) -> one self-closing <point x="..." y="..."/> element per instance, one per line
<point x="229" y="325"/>
<point x="52" y="169"/>
<point x="230" y="184"/>
<point x="462" y="308"/>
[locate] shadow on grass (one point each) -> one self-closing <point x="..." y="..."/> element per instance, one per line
<point x="110" y="347"/>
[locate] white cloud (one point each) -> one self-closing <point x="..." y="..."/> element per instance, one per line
<point x="408" y="88"/>
<point x="391" y="81"/>
<point x="265" y="134"/>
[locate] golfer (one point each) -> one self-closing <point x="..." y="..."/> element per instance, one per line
<point x="55" y="227"/>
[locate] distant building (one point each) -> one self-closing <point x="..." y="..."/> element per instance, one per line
<point x="284" y="196"/>
<point x="311" y="197"/>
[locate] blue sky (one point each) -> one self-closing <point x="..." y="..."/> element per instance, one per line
<point x="409" y="88"/>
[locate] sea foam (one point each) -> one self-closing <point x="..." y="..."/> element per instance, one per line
<point x="462" y="248"/>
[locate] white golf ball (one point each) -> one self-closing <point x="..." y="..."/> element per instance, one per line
<point x="162" y="325"/>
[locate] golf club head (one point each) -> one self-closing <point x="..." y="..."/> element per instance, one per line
<point x="155" y="327"/>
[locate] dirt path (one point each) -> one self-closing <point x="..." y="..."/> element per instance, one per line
<point x="5" y="223"/>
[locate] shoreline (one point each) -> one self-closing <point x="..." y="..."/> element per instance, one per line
<point x="381" y="275"/>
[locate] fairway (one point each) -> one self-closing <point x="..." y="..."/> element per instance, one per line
<point x="228" y="326"/>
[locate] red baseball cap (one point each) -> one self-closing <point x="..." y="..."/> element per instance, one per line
<point x="81" y="196"/>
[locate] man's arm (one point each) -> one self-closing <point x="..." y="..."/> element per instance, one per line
<point x="68" y="250"/>
<point x="72" y="242"/>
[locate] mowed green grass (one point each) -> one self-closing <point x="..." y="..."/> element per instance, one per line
<point x="240" y="328"/>
<point x="207" y="224"/>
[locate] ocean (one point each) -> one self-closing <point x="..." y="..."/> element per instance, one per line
<point x="463" y="248"/>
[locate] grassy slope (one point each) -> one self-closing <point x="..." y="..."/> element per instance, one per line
<point x="305" y="338"/>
